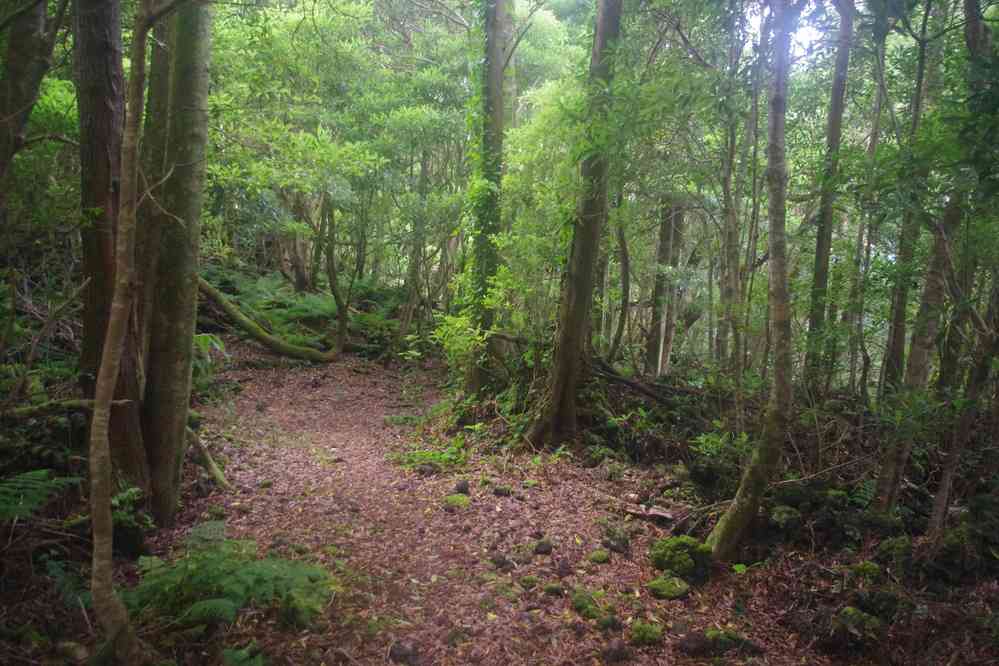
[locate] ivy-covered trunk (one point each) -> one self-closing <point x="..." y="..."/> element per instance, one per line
<point x="168" y="390"/>
<point x="727" y="534"/>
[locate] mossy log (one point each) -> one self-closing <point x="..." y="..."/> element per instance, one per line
<point x="273" y="343"/>
<point x="53" y="407"/>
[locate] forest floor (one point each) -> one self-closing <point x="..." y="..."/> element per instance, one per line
<point x="310" y="452"/>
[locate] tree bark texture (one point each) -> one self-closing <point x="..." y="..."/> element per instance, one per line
<point x="111" y="612"/>
<point x="625" y="264"/>
<point x="168" y="392"/>
<point x="727" y="534"/>
<point x="558" y="419"/>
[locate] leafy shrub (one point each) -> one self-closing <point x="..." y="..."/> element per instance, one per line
<point x="461" y="341"/>
<point x="211" y="583"/>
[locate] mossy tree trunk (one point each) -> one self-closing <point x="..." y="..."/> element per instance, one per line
<point x="486" y="203"/>
<point x="168" y="389"/>
<point x="727" y="534"/>
<point x="557" y="421"/>
<point x="255" y="331"/>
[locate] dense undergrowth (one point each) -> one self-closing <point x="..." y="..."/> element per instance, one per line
<point x="850" y="577"/>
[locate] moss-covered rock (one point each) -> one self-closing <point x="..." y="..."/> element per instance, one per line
<point x="456" y="502"/>
<point x="553" y="589"/>
<point x="529" y="582"/>
<point x="682" y="556"/>
<point x="668" y="587"/>
<point x="853" y="626"/>
<point x="585" y="604"/>
<point x="599" y="556"/>
<point x="646" y="633"/>
<point x="716" y="642"/>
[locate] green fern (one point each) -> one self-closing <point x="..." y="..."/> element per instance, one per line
<point x="217" y="578"/>
<point x="22" y="495"/>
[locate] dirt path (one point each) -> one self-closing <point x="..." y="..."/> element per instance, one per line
<point x="308" y="451"/>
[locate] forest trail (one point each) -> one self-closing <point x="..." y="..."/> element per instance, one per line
<point x="308" y="452"/>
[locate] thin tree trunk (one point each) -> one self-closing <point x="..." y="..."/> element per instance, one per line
<point x="558" y="419"/>
<point x="673" y="293"/>
<point x="978" y="380"/>
<point x="654" y="342"/>
<point x="174" y="317"/>
<point x="415" y="253"/>
<point x="924" y="334"/>
<point x="823" y="241"/>
<point x="909" y="235"/>
<point x="727" y="534"/>
<point x="625" y="262"/>
<point x="110" y="611"/>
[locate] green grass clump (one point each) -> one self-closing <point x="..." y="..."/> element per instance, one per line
<point x="646" y="633"/>
<point x="457" y="502"/>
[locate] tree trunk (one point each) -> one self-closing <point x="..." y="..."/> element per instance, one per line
<point x="673" y="294"/>
<point x="110" y="611"/>
<point x="558" y="419"/>
<point x="909" y="235"/>
<point x="99" y="82"/>
<point x="625" y="261"/>
<point x="415" y="253"/>
<point x="917" y="370"/>
<point x="174" y="317"/>
<point x="727" y="534"/>
<point x="486" y="197"/>
<point x="654" y="342"/>
<point x="31" y="36"/>
<point x="823" y="241"/>
<point x="977" y="383"/>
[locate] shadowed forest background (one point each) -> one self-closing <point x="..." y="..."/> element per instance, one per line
<point x="499" y="332"/>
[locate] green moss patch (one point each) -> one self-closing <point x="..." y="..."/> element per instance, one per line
<point x="668" y="587"/>
<point x="683" y="556"/>
<point x="456" y="502"/>
<point x="599" y="556"/>
<point x="646" y="633"/>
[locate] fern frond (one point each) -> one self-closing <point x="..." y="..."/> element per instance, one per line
<point x="22" y="495"/>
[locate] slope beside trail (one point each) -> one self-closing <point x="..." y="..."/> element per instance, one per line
<point x="308" y="451"/>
